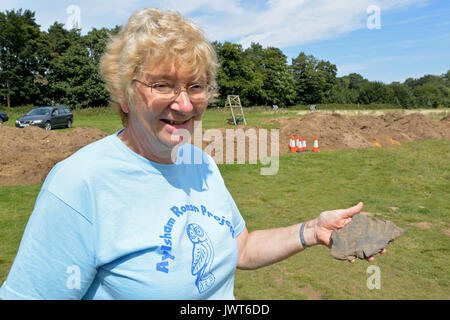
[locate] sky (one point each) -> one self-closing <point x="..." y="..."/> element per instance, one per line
<point x="383" y="40"/>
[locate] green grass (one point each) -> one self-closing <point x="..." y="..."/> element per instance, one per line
<point x="16" y="204"/>
<point x="104" y="119"/>
<point x="107" y="120"/>
<point x="414" y="177"/>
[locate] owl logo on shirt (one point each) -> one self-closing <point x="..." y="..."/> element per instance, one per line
<point x="202" y="257"/>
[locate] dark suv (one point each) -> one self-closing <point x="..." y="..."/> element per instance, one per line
<point x="47" y="118"/>
<point x="3" y="117"/>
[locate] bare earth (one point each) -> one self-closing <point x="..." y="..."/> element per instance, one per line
<point x="335" y="132"/>
<point x="27" y="155"/>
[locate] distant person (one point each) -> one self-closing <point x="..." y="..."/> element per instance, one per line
<point x="121" y="218"/>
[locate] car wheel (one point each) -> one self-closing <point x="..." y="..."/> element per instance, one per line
<point x="1" y="120"/>
<point x="69" y="123"/>
<point x="48" y="126"/>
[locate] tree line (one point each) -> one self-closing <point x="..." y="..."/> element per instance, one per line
<point x="60" y="66"/>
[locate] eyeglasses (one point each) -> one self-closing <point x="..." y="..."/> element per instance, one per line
<point x="197" y="92"/>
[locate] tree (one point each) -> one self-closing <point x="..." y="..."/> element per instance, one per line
<point x="278" y="82"/>
<point x="19" y="36"/>
<point x="340" y="92"/>
<point x="375" y="92"/>
<point x="75" y="79"/>
<point x="355" y="81"/>
<point x="313" y="78"/>
<point x="430" y="90"/>
<point x="96" y="40"/>
<point x="237" y="75"/>
<point x="428" y="96"/>
<point x="402" y="95"/>
<point x="278" y="78"/>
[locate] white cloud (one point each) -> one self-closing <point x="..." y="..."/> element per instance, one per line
<point x="279" y="23"/>
<point x="285" y="23"/>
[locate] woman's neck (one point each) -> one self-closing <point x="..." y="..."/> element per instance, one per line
<point x="143" y="144"/>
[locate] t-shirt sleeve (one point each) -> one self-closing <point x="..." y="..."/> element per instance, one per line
<point x="237" y="220"/>
<point x="56" y="256"/>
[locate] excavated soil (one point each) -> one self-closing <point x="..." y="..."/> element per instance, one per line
<point x="27" y="155"/>
<point x="335" y="132"/>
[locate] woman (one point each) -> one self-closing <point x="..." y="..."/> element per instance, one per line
<point x="120" y="218"/>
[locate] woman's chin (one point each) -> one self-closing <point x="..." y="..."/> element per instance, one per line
<point x="178" y="135"/>
<point x="177" y="139"/>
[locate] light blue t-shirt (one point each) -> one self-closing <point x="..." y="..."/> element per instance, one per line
<point x="110" y="224"/>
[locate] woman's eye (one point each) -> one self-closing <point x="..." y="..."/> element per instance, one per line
<point x="197" y="87"/>
<point x="161" y="85"/>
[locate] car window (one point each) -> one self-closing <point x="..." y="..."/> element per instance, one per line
<point x="67" y="110"/>
<point x="55" y="112"/>
<point x="39" y="112"/>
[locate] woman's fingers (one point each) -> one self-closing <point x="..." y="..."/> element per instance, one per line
<point x="371" y="258"/>
<point x="350" y="212"/>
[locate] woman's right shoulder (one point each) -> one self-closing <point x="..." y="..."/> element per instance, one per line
<point x="82" y="164"/>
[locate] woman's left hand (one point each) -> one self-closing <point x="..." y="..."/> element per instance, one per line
<point x="336" y="219"/>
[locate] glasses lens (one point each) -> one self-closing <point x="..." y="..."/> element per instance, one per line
<point x="167" y="92"/>
<point x="197" y="92"/>
<point x="162" y="88"/>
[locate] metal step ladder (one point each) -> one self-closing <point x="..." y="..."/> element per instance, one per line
<point x="234" y="102"/>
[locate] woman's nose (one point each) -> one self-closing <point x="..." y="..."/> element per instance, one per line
<point x="182" y="103"/>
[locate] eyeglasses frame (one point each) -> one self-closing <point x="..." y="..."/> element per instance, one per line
<point x="177" y="89"/>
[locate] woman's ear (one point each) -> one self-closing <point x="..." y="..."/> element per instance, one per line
<point x="121" y="101"/>
<point x="125" y="108"/>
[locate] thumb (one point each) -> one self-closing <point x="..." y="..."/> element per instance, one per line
<point x="350" y="212"/>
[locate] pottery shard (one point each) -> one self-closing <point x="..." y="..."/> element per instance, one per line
<point x="362" y="237"/>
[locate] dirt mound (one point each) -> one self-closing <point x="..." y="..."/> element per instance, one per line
<point x="28" y="154"/>
<point x="241" y="144"/>
<point x="336" y="132"/>
<point x="446" y="120"/>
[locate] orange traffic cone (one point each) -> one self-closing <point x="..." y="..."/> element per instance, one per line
<point x="316" y="145"/>
<point x="292" y="146"/>
<point x="304" y="145"/>
<point x="298" y="144"/>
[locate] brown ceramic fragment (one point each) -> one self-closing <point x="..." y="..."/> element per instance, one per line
<point x="362" y="237"/>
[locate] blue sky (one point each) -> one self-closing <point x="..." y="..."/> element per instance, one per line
<point x="413" y="38"/>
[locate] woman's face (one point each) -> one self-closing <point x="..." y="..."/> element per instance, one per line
<point x="158" y="119"/>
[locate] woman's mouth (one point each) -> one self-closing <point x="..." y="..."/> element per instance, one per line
<point x="175" y="123"/>
<point x="172" y="125"/>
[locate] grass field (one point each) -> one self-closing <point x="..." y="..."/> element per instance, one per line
<point x="408" y="185"/>
<point x="106" y="120"/>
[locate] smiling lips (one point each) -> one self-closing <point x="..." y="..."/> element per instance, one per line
<point x="175" y="123"/>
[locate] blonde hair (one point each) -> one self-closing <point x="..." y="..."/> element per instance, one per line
<point x="153" y="38"/>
